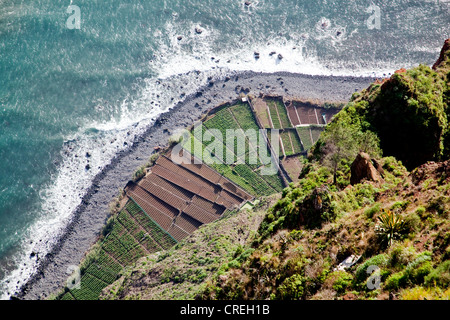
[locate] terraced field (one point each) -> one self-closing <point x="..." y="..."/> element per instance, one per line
<point x="291" y="142"/>
<point x="305" y="136"/>
<point x="293" y="167"/>
<point x="262" y="112"/>
<point x="315" y="133"/>
<point x="173" y="200"/>
<point x="278" y="113"/>
<point x="133" y="235"/>
<point x="245" y="169"/>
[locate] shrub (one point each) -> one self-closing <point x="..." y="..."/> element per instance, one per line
<point x="417" y="276"/>
<point x="139" y="173"/>
<point x="400" y="256"/>
<point x="342" y="282"/>
<point x="292" y="288"/>
<point x="108" y="226"/>
<point x="391" y="226"/>
<point x="396" y="281"/>
<point x="437" y="205"/>
<point x="419" y="268"/>
<point x="412" y="222"/>
<point x="399" y="206"/>
<point x="421" y="293"/>
<point x="380" y="261"/>
<point x="394" y="166"/>
<point x="369" y="213"/>
<point x="439" y="276"/>
<point x="423" y="213"/>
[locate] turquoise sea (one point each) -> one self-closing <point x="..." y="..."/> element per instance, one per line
<point x="71" y="97"/>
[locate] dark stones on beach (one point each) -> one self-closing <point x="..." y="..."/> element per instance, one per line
<point x="94" y="206"/>
<point x="239" y="89"/>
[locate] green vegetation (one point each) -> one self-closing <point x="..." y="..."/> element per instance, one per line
<point x="128" y="236"/>
<point x="274" y="114"/>
<point x="305" y="137"/>
<point x="291" y="142"/>
<point x="391" y="225"/>
<point x="397" y="226"/>
<point x="315" y="133"/>
<point x="247" y="174"/>
<point x="410" y="106"/>
<point x="296" y="142"/>
<point x="292" y="245"/>
<point x="183" y="271"/>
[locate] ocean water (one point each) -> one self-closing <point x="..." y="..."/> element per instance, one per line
<point x="70" y="98"/>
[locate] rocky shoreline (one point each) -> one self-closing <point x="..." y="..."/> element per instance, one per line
<point x="91" y="215"/>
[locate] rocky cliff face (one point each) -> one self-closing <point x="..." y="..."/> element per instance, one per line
<point x="410" y="112"/>
<point x="444" y="57"/>
<point x="365" y="168"/>
<point x="298" y="249"/>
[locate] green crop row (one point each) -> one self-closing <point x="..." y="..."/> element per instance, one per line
<point x="274" y="115"/>
<point x="244" y="117"/>
<point x="295" y="142"/>
<point x="129" y="223"/>
<point x="305" y="137"/>
<point x="113" y="246"/>
<point x="232" y="175"/>
<point x="106" y="261"/>
<point x="148" y="243"/>
<point x="68" y="296"/>
<point x="259" y="184"/>
<point x="283" y="117"/>
<point x="102" y="272"/>
<point x="286" y="143"/>
<point x="222" y="121"/>
<point x="91" y="287"/>
<point x="315" y="132"/>
<point x="274" y="181"/>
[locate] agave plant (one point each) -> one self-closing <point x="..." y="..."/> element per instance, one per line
<point x="391" y="225"/>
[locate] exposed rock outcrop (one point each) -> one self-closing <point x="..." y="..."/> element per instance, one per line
<point x="438" y="171"/>
<point x="444" y="52"/>
<point x="365" y="168"/>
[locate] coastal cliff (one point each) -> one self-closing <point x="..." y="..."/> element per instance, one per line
<point x="385" y="235"/>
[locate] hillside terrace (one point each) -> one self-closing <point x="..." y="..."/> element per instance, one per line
<point x="173" y="200"/>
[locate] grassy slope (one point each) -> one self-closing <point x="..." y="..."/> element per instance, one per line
<point x="183" y="271"/>
<point x="293" y="261"/>
<point x="315" y="225"/>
